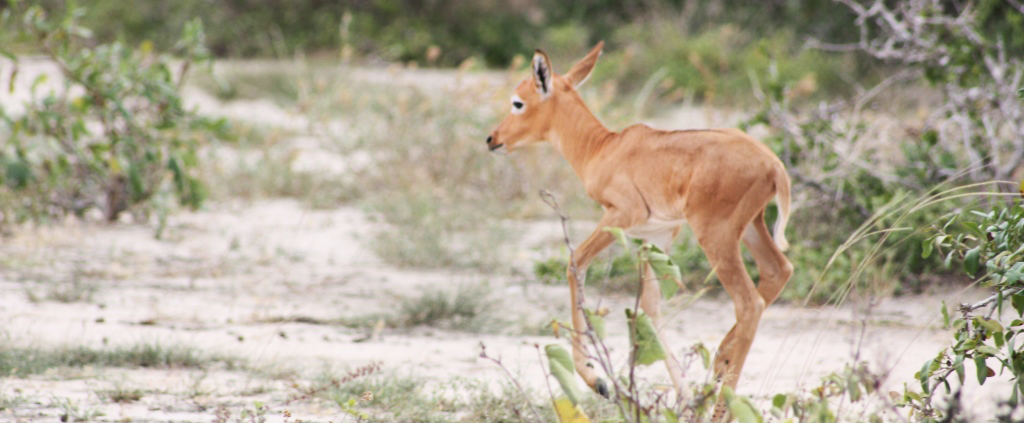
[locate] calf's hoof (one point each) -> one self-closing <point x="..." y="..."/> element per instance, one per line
<point x="601" y="388"/>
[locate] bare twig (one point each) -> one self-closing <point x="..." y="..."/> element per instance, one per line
<point x="526" y="398"/>
<point x="967" y="308"/>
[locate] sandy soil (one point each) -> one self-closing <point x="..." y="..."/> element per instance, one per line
<point x="258" y="280"/>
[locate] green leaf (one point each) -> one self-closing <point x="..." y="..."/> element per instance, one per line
<point x="668" y="274"/>
<point x="644" y="338"/>
<point x="1013" y="276"/>
<point x="14" y="77"/>
<point x="1017" y="300"/>
<point x="705" y="355"/>
<point x="41" y="79"/>
<point x="779" y="401"/>
<point x="971" y="260"/>
<point x="18" y="173"/>
<point x="557" y="356"/>
<point x="913" y="395"/>
<point x="853" y="388"/>
<point x="619" y="235"/>
<point x="945" y="316"/>
<point x="926" y="247"/>
<point x="597" y="321"/>
<point x="958" y="366"/>
<point x="987" y="349"/>
<point x="744" y="411"/>
<point x="924" y="374"/>
<point x="973" y="227"/>
<point x="991" y="325"/>
<point x="982" y="370"/>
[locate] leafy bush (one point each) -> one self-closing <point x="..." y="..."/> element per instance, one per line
<point x="115" y="137"/>
<point x="991" y="243"/>
<point x="860" y="172"/>
<point x="714" y="66"/>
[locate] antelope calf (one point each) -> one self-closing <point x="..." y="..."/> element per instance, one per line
<point x="649" y="182"/>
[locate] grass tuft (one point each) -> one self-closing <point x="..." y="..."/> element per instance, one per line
<point x="468" y="308"/>
<point x="121" y="394"/>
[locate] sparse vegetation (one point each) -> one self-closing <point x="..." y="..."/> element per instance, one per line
<point x="122" y="394"/>
<point x="73" y="291"/>
<point x="904" y="142"/>
<point x="467" y="307"/>
<point x="23" y="361"/>
<point x="72" y="411"/>
<point x="115" y="137"/>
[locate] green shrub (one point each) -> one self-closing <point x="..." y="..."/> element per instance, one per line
<point x="716" y="65"/>
<point x="115" y="137"/>
<point x="990" y="246"/>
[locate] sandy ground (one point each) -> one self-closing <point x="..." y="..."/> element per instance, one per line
<point x="257" y="280"/>
<point x="236" y="278"/>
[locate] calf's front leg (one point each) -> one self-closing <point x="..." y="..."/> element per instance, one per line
<point x="576" y="275"/>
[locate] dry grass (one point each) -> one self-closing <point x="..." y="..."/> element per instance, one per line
<point x="411" y="155"/>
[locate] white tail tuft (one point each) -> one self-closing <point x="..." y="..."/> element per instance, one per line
<point x="782" y="201"/>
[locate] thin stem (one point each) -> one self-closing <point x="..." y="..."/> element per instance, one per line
<point x="526" y="398"/>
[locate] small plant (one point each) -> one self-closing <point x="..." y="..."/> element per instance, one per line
<point x="72" y="412"/>
<point x="122" y="394"/>
<point x="404" y="398"/>
<point x="116" y="136"/>
<point x="350" y="407"/>
<point x="467" y="307"/>
<point x="256" y="414"/>
<point x="335" y="383"/>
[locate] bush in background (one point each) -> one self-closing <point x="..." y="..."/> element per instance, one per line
<point x="862" y="172"/>
<point x="114" y="137"/>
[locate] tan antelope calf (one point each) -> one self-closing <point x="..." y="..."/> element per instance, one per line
<point x="649" y="182"/>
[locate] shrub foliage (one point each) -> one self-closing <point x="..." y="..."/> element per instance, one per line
<point x="114" y="135"/>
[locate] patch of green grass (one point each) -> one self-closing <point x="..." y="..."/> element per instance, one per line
<point x="121" y="394"/>
<point x="23" y="361"/>
<point x="468" y="307"/>
<point x="396" y="397"/>
<point x="482" y="403"/>
<point x="404" y="398"/>
<point x="429" y="232"/>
